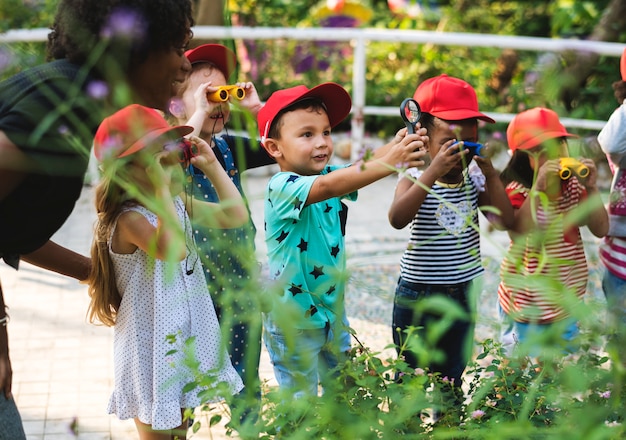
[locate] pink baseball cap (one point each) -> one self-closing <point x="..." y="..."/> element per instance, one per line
<point x="449" y="98"/>
<point x="336" y="99"/>
<point x="622" y="65"/>
<point x="533" y="127"/>
<point x="131" y="129"/>
<point x="224" y="58"/>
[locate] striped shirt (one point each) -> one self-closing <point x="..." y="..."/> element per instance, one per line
<point x="544" y="272"/>
<point x="444" y="245"/>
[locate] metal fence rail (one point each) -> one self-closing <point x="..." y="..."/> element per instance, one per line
<point x="359" y="39"/>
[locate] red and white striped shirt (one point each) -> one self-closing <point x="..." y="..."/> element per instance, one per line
<point x="545" y="271"/>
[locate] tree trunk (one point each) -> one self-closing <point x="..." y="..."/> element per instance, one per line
<point x="612" y="23"/>
<point x="208" y="13"/>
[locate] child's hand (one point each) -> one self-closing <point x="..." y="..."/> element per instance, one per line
<point x="447" y="158"/>
<point x="485" y="165"/>
<point x="205" y="157"/>
<point x="591" y="181"/>
<point x="548" y="176"/>
<point x="251" y="101"/>
<point x="203" y="104"/>
<point x="408" y="151"/>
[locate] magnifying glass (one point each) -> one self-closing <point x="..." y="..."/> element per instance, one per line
<point x="411" y="113"/>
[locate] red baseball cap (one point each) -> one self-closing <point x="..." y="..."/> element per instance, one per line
<point x="224" y="58"/>
<point x="533" y="127"/>
<point x="622" y="65"/>
<point x="336" y="99"/>
<point x="131" y="129"/>
<point x="449" y="98"/>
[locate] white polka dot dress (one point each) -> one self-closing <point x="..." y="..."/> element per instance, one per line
<point x="158" y="300"/>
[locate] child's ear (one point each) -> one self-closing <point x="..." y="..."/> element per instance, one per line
<point x="271" y="146"/>
<point x="177" y="108"/>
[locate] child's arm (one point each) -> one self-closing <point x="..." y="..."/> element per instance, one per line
<point x="407" y="151"/>
<point x="166" y="241"/>
<point x="204" y="107"/>
<point x="231" y="211"/>
<point x="409" y="196"/>
<point x="495" y="195"/>
<point x="546" y="180"/>
<point x="595" y="216"/>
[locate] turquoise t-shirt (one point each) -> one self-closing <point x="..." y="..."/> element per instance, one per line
<point x="306" y="252"/>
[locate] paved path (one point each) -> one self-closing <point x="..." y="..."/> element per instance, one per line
<point x="63" y="365"/>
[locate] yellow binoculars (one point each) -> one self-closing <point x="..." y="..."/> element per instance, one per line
<point x="570" y="166"/>
<point x="224" y="92"/>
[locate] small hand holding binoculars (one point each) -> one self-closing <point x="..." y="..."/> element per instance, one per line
<point x="571" y="166"/>
<point x="224" y="92"/>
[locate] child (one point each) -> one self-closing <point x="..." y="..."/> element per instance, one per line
<point x="227" y="255"/>
<point x="146" y="280"/>
<point x="441" y="203"/>
<point x="544" y="274"/>
<point x="612" y="140"/>
<point x="305" y="331"/>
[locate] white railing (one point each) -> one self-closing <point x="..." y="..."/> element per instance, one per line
<point x="360" y="37"/>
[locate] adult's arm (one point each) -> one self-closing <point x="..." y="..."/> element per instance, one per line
<point x="59" y="259"/>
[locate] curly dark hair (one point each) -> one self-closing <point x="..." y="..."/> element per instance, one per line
<point x="619" y="90"/>
<point x="155" y="25"/>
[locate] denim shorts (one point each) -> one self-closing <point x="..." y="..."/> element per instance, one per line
<point x="303" y="358"/>
<point x="513" y="334"/>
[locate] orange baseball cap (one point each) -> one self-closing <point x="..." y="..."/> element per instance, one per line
<point x="131" y="129"/>
<point x="335" y="98"/>
<point x="533" y="127"/>
<point x="224" y="58"/>
<point x="449" y="98"/>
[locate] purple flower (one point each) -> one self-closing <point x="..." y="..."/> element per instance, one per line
<point x="97" y="89"/>
<point x="419" y="371"/>
<point x="478" y="414"/>
<point x="124" y="23"/>
<point x="63" y="130"/>
<point x="6" y="57"/>
<point x="605" y="395"/>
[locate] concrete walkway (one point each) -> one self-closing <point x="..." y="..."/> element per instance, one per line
<point x="63" y="365"/>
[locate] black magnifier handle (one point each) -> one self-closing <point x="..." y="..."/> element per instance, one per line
<point x="411" y="113"/>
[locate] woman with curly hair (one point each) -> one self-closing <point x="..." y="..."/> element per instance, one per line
<point x="103" y="55"/>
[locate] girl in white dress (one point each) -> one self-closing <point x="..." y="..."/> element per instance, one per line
<point x="146" y="279"/>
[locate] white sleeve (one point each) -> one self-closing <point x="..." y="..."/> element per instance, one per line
<point x="612" y="138"/>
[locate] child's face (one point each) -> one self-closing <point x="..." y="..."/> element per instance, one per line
<point x="305" y="146"/>
<point x="444" y="131"/>
<point x="550" y="150"/>
<point x="219" y="115"/>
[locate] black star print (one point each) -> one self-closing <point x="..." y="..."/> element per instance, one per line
<point x="330" y="290"/>
<point x="297" y="204"/>
<point x="277" y="274"/>
<point x="334" y="251"/>
<point x="303" y="245"/>
<point x="293" y="178"/>
<point x="328" y="208"/>
<point x="317" y="272"/>
<point x="282" y="236"/>
<point x="312" y="311"/>
<point x="295" y="289"/>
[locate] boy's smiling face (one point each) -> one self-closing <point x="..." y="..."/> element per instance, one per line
<point x="305" y="145"/>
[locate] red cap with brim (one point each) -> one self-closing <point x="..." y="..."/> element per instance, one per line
<point x="224" y="58"/>
<point x="533" y="127"/>
<point x="131" y="129"/>
<point x="449" y="98"/>
<point x="336" y="99"/>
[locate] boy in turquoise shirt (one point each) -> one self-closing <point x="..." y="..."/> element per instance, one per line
<point x="305" y="332"/>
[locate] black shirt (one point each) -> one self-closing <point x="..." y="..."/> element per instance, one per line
<point x="46" y="112"/>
